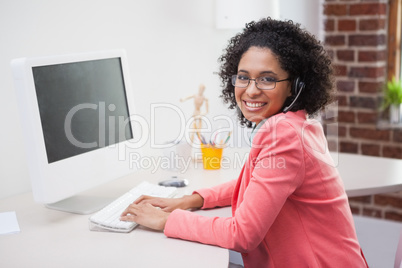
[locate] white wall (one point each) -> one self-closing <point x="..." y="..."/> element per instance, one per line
<point x="172" y="46"/>
<point x="306" y="12"/>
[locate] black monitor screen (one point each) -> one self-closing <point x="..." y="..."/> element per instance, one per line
<point x="83" y="106"/>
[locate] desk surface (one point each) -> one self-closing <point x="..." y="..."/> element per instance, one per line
<point x="54" y="238"/>
<point x="367" y="175"/>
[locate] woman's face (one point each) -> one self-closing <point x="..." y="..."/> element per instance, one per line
<point x="254" y="103"/>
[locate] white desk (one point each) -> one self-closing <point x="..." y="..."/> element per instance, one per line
<point x="368" y="175"/>
<point x="51" y="238"/>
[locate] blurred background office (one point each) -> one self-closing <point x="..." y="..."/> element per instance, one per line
<point x="172" y="47"/>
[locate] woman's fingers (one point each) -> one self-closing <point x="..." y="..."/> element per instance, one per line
<point x="166" y="204"/>
<point x="129" y="211"/>
<point x="146" y="215"/>
<point x="142" y="198"/>
<point x="145" y="199"/>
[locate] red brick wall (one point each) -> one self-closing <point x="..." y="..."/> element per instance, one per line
<point x="356" y="37"/>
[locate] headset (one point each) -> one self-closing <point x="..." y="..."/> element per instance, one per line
<point x="297" y="88"/>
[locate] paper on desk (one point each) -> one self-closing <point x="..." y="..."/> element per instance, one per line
<point x="9" y="223"/>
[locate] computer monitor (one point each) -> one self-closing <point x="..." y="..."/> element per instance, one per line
<point x="75" y="114"/>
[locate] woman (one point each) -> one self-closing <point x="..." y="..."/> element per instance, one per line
<point x="296" y="213"/>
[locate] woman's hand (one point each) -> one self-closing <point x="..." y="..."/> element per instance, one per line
<point x="165" y="204"/>
<point x="153" y="212"/>
<point x="147" y="215"/>
<point x="170" y="204"/>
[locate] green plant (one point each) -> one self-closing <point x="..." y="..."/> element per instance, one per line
<point x="392" y="93"/>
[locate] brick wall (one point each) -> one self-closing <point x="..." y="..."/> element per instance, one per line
<point x="356" y="37"/>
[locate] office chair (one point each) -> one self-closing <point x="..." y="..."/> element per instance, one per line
<point x="398" y="254"/>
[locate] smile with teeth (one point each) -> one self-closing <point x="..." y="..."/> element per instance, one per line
<point x="254" y="104"/>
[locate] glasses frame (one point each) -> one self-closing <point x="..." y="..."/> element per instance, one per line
<point x="234" y="78"/>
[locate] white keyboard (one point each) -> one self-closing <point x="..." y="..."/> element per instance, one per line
<point x="108" y="218"/>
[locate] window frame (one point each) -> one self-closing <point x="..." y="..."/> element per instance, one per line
<point x="394" y="39"/>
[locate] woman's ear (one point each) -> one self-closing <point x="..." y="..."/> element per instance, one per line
<point x="289" y="89"/>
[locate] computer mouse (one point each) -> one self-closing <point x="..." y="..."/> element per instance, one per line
<point x="174" y="181"/>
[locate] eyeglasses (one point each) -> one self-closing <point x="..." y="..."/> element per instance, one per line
<point x="263" y="83"/>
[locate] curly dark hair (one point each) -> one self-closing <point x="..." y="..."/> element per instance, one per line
<point x="299" y="53"/>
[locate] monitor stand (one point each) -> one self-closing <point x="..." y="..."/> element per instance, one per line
<point x="81" y="204"/>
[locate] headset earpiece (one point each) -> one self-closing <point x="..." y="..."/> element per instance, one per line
<point x="297" y="88"/>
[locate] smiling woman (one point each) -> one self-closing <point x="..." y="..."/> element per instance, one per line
<point x="289" y="206"/>
<point x="266" y="97"/>
<point x="297" y="54"/>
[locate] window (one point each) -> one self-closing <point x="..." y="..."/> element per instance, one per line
<point x="394" y="39"/>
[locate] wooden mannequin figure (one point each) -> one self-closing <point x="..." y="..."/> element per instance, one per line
<point x="199" y="100"/>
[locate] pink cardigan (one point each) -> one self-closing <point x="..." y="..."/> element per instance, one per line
<point x="289" y="205"/>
